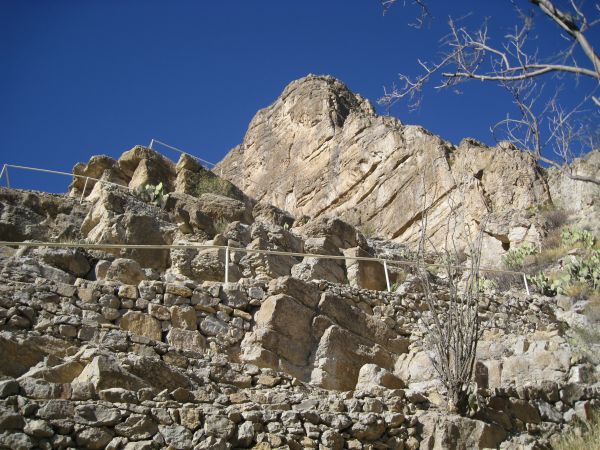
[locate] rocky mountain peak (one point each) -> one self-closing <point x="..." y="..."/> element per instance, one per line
<point x="333" y="156"/>
<point x="314" y="99"/>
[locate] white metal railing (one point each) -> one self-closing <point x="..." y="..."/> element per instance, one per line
<point x="58" y="172"/>
<point x="156" y="141"/>
<point x="230" y="250"/>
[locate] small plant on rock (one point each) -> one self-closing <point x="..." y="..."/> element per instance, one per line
<point x="156" y="195"/>
<point x="208" y="183"/>
<point x="542" y="284"/>
<point x="514" y="259"/>
<point x="586" y="270"/>
<point x="486" y="284"/>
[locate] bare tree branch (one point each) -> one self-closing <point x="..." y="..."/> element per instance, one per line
<point x="542" y="126"/>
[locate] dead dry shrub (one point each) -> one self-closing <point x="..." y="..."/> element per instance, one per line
<point x="555" y="218"/>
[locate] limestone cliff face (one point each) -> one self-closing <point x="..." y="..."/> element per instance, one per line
<point x="320" y="150"/>
<point x="578" y="197"/>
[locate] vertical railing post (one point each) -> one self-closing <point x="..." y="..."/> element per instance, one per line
<point x="387" y="277"/>
<point x="2" y="171"/>
<point x="84" y="188"/>
<point x="7" y="179"/>
<point x="526" y="285"/>
<point x="151" y="144"/>
<point x="227" y="265"/>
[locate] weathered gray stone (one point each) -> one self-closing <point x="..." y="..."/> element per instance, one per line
<point x="211" y="326"/>
<point x="137" y="427"/>
<point x="118" y="395"/>
<point x="219" y="426"/>
<point x="96" y="415"/>
<point x="10" y="419"/>
<point x="8" y="387"/>
<point x="183" y="317"/>
<point x="94" y="438"/>
<point x="127" y="271"/>
<point x="245" y="434"/>
<point x="371" y="376"/>
<point x="332" y="439"/>
<point x="105" y="373"/>
<point x="16" y="441"/>
<point x="38" y="429"/>
<point x="176" y="436"/>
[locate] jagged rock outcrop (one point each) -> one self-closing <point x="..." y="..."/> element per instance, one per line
<point x="117" y="217"/>
<point x="27" y="215"/>
<point x="187" y="179"/>
<point x="335" y="157"/>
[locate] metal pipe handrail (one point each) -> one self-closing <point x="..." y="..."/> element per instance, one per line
<point x="240" y="249"/>
<point x="70" y="174"/>
<point x="180" y="151"/>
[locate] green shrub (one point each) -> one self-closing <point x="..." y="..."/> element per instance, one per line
<point x="487" y="284"/>
<point x="514" y="259"/>
<point x="207" y="183"/>
<point x="156" y="195"/>
<point x="575" y="236"/>
<point x="580" y="278"/>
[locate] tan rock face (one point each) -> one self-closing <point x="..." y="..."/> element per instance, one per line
<point x="141" y="324"/>
<point x="583" y="199"/>
<point x="119" y="218"/>
<point x="334" y="157"/>
<point x="322" y="339"/>
<point x="186" y="340"/>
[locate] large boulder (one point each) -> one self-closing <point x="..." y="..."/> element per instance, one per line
<point x="187" y="213"/>
<point x="117" y="217"/>
<point x="98" y="167"/>
<point x="143" y="166"/>
<point x="126" y="271"/>
<point x="364" y="274"/>
<point x="372" y="376"/>
<point x="204" y="264"/>
<point x="461" y="433"/>
<point x="340" y="356"/>
<point x="283" y="331"/>
<point x="106" y="372"/>
<point x="18" y="355"/>
<point x="224" y="208"/>
<point x="321" y="338"/>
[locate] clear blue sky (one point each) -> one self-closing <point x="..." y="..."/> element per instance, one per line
<point x="81" y="78"/>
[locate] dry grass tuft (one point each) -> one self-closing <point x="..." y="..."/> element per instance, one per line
<point x="578" y="291"/>
<point x="589" y="439"/>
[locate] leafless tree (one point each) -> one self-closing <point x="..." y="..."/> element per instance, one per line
<point x="543" y="124"/>
<point x="452" y="324"/>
